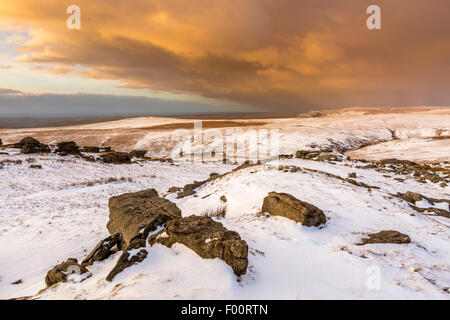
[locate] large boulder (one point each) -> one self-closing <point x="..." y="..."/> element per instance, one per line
<point x="60" y="272"/>
<point x="137" y="214"/>
<point x="115" y="157"/>
<point x="208" y="238"/>
<point x="386" y="236"/>
<point x="285" y="205"/>
<point x="67" y="147"/>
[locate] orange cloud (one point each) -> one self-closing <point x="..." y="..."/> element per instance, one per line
<point x="269" y="53"/>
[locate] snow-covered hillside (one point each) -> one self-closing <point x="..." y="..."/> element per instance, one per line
<point x="48" y="215"/>
<point x="344" y="129"/>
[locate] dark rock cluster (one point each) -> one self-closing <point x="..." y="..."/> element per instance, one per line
<point x="30" y="145"/>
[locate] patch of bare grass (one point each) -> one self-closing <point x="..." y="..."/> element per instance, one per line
<point x="218" y="212"/>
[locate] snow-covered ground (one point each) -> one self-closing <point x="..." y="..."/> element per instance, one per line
<point x="54" y="213"/>
<point x="344" y="129"/>
<point x="60" y="211"/>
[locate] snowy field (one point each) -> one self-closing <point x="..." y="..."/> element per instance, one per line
<point x="60" y="211"/>
<point x="345" y="129"/>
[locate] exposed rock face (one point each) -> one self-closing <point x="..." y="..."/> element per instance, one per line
<point x="386" y="236"/>
<point x="138" y="153"/>
<point x="30" y="145"/>
<point x="137" y="214"/>
<point x="103" y="249"/>
<point x="133" y="255"/>
<point x="67" y="147"/>
<point x="115" y="157"/>
<point x="60" y="272"/>
<point x="285" y="205"/>
<point x="208" y="238"/>
<point x="1" y="142"/>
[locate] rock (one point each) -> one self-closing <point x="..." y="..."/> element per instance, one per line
<point x="67" y="147"/>
<point x="329" y="157"/>
<point x="397" y="162"/>
<point x="20" y="281"/>
<point x="59" y="273"/>
<point x="173" y="189"/>
<point x="223" y="198"/>
<point x="138" y="153"/>
<point x="352" y="175"/>
<point x="208" y="238"/>
<point x="285" y="205"/>
<point x="1" y="142"/>
<point x="189" y="189"/>
<point x="133" y="255"/>
<point x="28" y="141"/>
<point x="307" y="154"/>
<point x="387" y="236"/>
<point x="137" y="214"/>
<point x="103" y="249"/>
<point x="42" y="148"/>
<point x="91" y="149"/>
<point x="411" y="197"/>
<point x="30" y="145"/>
<point x="115" y="157"/>
<point x="35" y="166"/>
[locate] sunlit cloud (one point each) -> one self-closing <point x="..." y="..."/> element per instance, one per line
<point x="272" y="54"/>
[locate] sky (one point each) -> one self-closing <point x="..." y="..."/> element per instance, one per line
<point x="199" y="56"/>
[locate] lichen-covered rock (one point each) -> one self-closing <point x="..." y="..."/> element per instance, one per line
<point x="137" y="214"/>
<point x="67" y="147"/>
<point x="208" y="238"/>
<point x="386" y="236"/>
<point x="103" y="249"/>
<point x="133" y="255"/>
<point x="60" y="272"/>
<point x="285" y="205"/>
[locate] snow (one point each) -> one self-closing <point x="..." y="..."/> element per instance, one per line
<point x="60" y="211"/>
<point x="45" y="220"/>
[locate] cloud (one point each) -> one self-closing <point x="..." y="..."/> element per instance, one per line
<point x="275" y="54"/>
